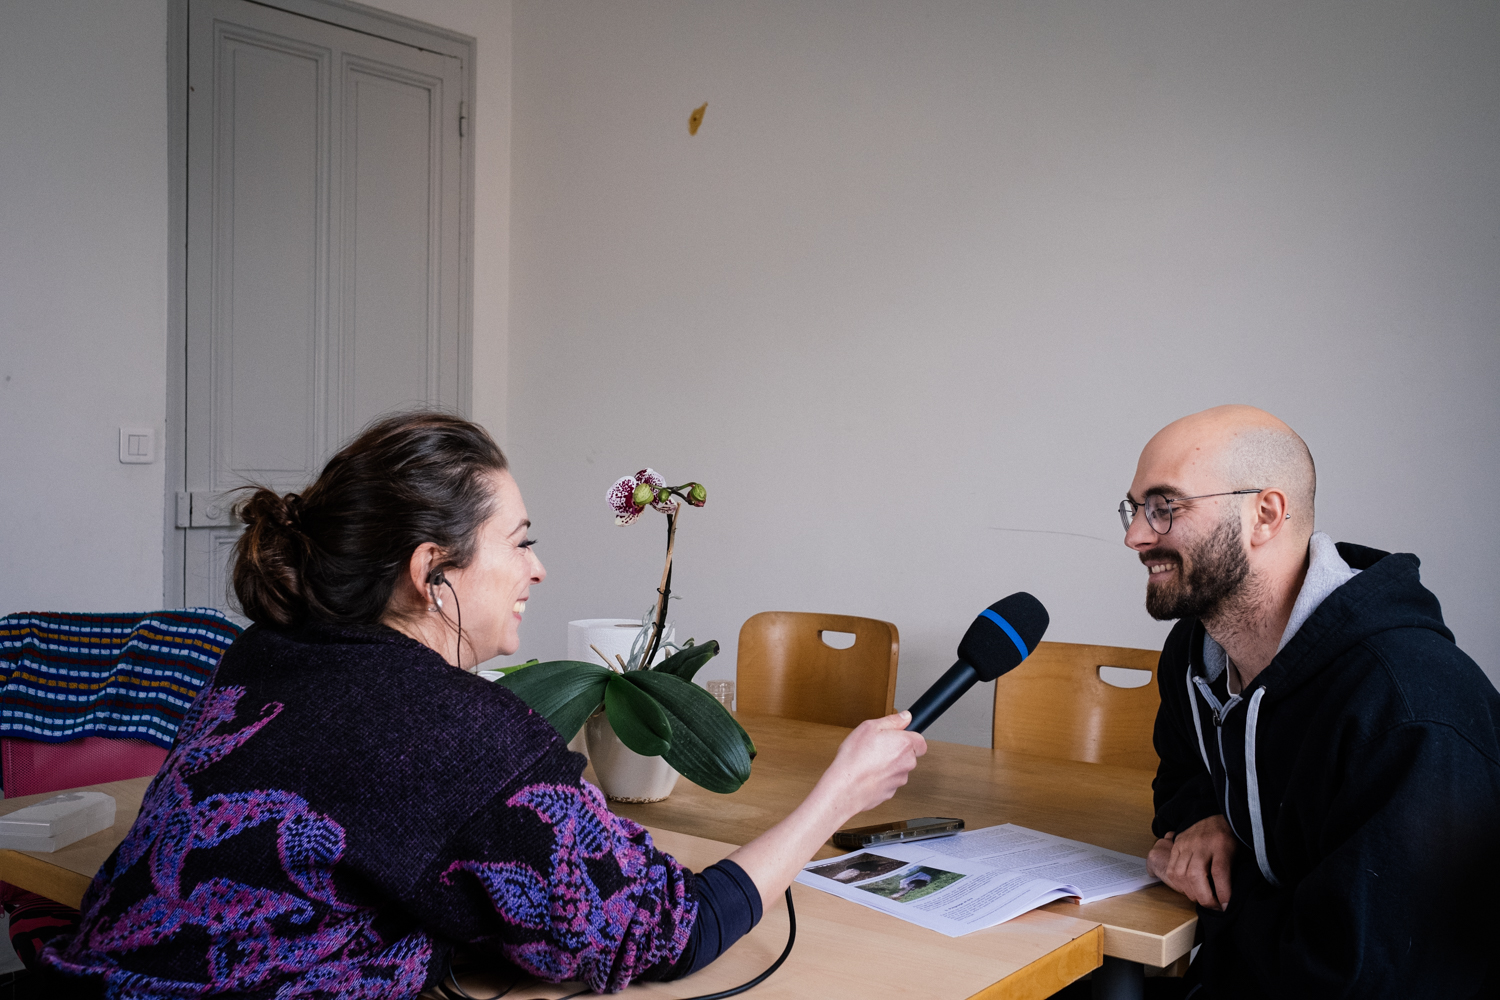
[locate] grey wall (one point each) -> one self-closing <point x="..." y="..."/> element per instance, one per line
<point x="83" y="301"/>
<point x="909" y="303"/>
<point x="931" y="274"/>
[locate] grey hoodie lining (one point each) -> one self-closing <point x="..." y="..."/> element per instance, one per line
<point x="1326" y="572"/>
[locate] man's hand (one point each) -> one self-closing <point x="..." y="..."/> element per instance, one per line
<point x="1197" y="863"/>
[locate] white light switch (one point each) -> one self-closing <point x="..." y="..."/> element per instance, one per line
<point x="137" y="445"/>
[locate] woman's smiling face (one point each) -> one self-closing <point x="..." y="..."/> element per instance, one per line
<point x="493" y="589"/>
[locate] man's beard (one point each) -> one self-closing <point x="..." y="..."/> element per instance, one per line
<point x="1219" y="568"/>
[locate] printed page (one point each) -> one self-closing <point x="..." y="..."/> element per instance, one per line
<point x="976" y="879"/>
<point x="1096" y="872"/>
<point x="953" y="898"/>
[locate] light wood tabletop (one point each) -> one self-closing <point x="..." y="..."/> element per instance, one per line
<point x="64" y="875"/>
<point x="1031" y="956"/>
<point x="1096" y="803"/>
<point x="847" y="951"/>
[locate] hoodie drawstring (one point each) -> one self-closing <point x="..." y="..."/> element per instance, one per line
<point x="1197" y="722"/>
<point x="1252" y="787"/>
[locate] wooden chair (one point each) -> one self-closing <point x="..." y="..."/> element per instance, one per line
<point x="1055" y="705"/>
<point x="786" y="669"/>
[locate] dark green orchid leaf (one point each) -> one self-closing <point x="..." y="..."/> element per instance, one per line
<point x="505" y="671"/>
<point x="686" y="661"/>
<point x="564" y="692"/>
<point x="636" y="717"/>
<point x="708" y="746"/>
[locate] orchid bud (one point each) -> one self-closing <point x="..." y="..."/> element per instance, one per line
<point x="698" y="495"/>
<point x="643" y="495"/>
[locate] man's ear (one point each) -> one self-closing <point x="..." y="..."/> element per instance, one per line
<point x="1269" y="516"/>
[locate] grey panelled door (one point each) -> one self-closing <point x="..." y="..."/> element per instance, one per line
<point x="323" y="253"/>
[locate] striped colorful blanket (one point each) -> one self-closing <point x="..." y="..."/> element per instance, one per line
<point x="133" y="676"/>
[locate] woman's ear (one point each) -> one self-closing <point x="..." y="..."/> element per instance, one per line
<point x="413" y="589"/>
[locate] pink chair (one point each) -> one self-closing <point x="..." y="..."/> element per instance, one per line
<point x="31" y="767"/>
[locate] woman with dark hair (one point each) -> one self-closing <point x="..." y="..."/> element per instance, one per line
<point x="344" y="806"/>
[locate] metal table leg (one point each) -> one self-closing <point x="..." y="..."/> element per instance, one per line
<point x="1118" y="979"/>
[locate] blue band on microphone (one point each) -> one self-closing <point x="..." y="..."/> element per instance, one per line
<point x="1015" y="637"/>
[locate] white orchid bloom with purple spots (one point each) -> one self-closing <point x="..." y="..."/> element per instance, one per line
<point x="621" y="496"/>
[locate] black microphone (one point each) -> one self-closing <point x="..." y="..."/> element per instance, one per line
<point x="1003" y="635"/>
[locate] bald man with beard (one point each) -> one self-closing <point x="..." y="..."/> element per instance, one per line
<point x="1329" y="786"/>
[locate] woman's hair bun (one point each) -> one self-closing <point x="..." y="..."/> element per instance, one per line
<point x="267" y="575"/>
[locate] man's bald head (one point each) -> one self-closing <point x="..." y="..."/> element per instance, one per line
<point x="1238" y="447"/>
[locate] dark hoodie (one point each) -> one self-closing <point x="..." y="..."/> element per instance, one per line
<point x="1360" y="772"/>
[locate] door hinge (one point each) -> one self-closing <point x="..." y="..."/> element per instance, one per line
<point x="463" y="121"/>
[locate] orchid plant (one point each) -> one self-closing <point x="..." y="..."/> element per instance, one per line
<point x="654" y="710"/>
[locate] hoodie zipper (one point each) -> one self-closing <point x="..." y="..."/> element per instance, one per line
<point x="1219" y="712"/>
<point x="1252" y="779"/>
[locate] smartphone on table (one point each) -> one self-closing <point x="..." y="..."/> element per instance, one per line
<point x="901" y="831"/>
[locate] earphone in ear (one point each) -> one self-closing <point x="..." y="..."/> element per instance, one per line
<point x="436" y="579"/>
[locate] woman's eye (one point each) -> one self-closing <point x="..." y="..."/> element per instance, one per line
<point x="527" y="544"/>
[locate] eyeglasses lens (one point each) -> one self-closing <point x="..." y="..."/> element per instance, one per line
<point x="1127" y="514"/>
<point x="1159" y="514"/>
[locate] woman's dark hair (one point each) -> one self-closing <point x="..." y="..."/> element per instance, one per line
<point x="335" y="552"/>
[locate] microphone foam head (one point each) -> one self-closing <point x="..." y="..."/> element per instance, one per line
<point x="1003" y="635"/>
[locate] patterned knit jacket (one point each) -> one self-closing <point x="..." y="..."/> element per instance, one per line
<point x="340" y="809"/>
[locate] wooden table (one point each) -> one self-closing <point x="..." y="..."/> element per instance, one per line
<point x="848" y="951"/>
<point x="843" y="949"/>
<point x="64" y="875"/>
<point x="1108" y="806"/>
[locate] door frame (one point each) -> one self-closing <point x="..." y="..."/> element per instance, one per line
<point x="344" y="14"/>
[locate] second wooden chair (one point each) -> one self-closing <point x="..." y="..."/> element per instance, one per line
<point x="786" y="668"/>
<point x="1057" y="705"/>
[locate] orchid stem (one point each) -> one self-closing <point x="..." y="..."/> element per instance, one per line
<point x="664" y="592"/>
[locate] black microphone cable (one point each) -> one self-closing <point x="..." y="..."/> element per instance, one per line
<point x="458" y="992"/>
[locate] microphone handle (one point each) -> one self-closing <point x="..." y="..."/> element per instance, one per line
<point x="949" y="688"/>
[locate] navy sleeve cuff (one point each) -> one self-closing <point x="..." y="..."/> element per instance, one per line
<point x="728" y="907"/>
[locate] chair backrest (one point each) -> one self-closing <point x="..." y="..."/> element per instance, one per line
<point x="31" y="767"/>
<point x="787" y="669"/>
<point x="1056" y="705"/>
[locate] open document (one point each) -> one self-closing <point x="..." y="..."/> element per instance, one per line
<point x="976" y="879"/>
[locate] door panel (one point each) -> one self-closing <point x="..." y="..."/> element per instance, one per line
<point x="268" y="335"/>
<point x="393" y="238"/>
<point x="324" y="244"/>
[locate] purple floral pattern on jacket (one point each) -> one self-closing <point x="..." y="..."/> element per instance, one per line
<point x="303" y="890"/>
<point x="603" y="940"/>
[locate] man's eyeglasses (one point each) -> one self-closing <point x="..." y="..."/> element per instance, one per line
<point x="1159" y="508"/>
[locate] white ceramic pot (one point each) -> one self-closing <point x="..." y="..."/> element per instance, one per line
<point x="624" y="775"/>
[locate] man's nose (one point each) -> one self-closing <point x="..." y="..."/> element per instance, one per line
<point x="1139" y="536"/>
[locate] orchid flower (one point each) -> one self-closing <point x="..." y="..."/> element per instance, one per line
<point x="622" y="496"/>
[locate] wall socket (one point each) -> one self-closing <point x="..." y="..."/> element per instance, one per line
<point x="137" y="445"/>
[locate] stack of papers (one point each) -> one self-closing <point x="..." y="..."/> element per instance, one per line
<point x="976" y="879"/>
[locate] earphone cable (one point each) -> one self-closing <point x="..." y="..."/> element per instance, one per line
<point x="457" y="643"/>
